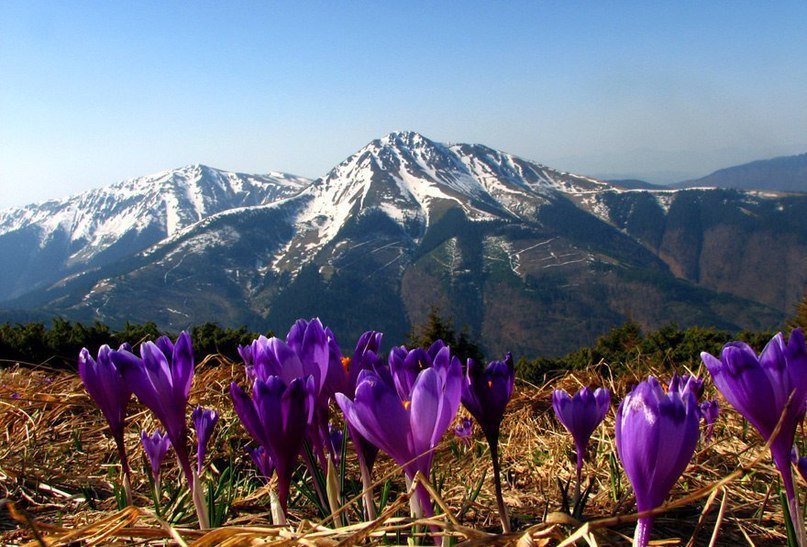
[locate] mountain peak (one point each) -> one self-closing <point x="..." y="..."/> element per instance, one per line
<point x="407" y="138"/>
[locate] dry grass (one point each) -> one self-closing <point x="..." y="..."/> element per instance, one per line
<point x="57" y="468"/>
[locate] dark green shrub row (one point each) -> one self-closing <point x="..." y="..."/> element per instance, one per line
<point x="58" y="344"/>
<point x="629" y="348"/>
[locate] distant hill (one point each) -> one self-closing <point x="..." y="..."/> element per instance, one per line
<point x="783" y="174"/>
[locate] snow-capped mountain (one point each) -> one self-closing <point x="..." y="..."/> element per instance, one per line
<point x="409" y="179"/>
<point x="530" y="258"/>
<point x="60" y="237"/>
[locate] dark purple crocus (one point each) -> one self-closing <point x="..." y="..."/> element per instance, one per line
<point x="464" y="431"/>
<point x="656" y="435"/>
<point x="156" y="446"/>
<point x="766" y="390"/>
<point x="278" y="417"/>
<point x="486" y="390"/>
<point x="709" y="412"/>
<point x="406" y="414"/>
<point x="581" y="415"/>
<point x="336" y="439"/>
<point x="107" y="387"/>
<point x="204" y="420"/>
<point x="161" y="379"/>
<point x="263" y="461"/>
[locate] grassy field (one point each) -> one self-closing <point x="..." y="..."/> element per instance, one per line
<point x="58" y="468"/>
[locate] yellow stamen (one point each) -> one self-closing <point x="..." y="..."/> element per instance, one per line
<point x="345" y="363"/>
<point x="406" y="404"/>
<point x="490" y="384"/>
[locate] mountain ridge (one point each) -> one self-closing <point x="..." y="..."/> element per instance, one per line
<point x="530" y="258"/>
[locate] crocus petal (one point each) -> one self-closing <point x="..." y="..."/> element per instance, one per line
<point x="380" y="416"/>
<point x="182" y="366"/>
<point x="245" y="410"/>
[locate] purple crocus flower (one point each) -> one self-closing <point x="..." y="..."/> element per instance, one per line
<point x="204" y="420"/>
<point x="263" y="461"/>
<point x="313" y="341"/>
<point x="107" y="387"/>
<point x="486" y="390"/>
<point x="246" y="354"/>
<point x="161" y="378"/>
<point x="464" y="431"/>
<point x="310" y="342"/>
<point x="365" y="357"/>
<point x="656" y="435"/>
<point x="321" y="357"/>
<point x="156" y="446"/>
<point x="581" y="415"/>
<point x="686" y="382"/>
<point x="406" y="414"/>
<point x="766" y="390"/>
<point x="336" y="439"/>
<point x="709" y="412"/>
<point x="278" y="416"/>
<point x="274" y="357"/>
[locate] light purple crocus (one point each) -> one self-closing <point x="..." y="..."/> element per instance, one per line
<point x="278" y="416"/>
<point x="767" y="390"/>
<point x="581" y="415"/>
<point x="405" y="410"/>
<point x="710" y="410"/>
<point x="486" y="391"/>
<point x="656" y="435"/>
<point x="204" y="420"/>
<point x="107" y="387"/>
<point x="464" y="431"/>
<point x="156" y="446"/>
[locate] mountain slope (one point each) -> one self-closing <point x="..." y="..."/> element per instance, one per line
<point x="45" y="242"/>
<point x="783" y="174"/>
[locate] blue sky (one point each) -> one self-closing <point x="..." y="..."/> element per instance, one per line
<point x="93" y="92"/>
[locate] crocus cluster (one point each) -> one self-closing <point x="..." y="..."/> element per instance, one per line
<point x="770" y="391"/>
<point x="656" y="435"/>
<point x="161" y="379"/>
<point x="404" y="409"/>
<point x="292" y="383"/>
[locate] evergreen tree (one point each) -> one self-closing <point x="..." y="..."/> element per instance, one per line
<point x="437" y="328"/>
